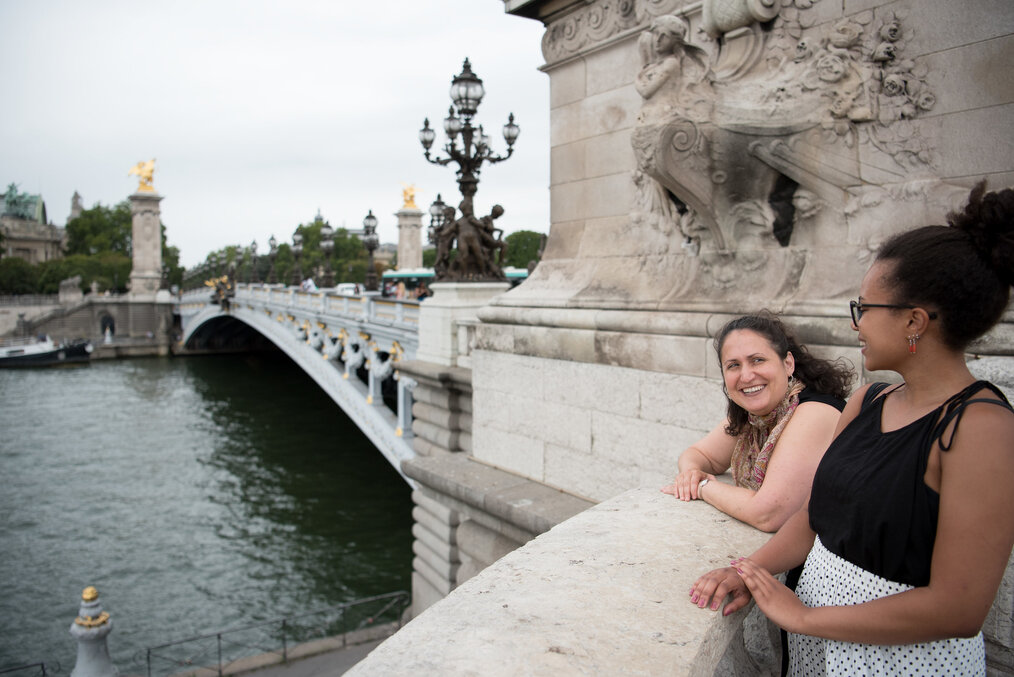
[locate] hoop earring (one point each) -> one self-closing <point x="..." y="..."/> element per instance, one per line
<point x="912" y="338"/>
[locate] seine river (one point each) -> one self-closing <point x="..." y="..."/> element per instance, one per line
<point x="197" y="494"/>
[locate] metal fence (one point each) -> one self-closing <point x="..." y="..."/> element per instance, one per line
<point x="217" y="650"/>
<point x="32" y="670"/>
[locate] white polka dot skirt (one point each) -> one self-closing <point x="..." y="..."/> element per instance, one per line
<point x="829" y="580"/>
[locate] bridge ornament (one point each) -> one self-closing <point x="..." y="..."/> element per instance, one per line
<point x="381" y="369"/>
<point x="330" y="337"/>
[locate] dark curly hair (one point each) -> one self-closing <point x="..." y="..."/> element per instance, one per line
<point x="824" y="376"/>
<point x="963" y="271"/>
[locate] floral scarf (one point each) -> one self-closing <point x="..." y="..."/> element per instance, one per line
<point x="755" y="444"/>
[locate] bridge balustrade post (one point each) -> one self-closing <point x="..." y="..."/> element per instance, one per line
<point x="325" y="302"/>
<point x="399" y="312"/>
<point x="374" y="395"/>
<point x="405" y="401"/>
<point x="369" y="310"/>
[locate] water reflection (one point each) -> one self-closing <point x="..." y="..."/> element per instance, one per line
<point x="196" y="494"/>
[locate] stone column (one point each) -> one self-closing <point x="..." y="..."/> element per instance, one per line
<point x="146" y="244"/>
<point x="409" y="238"/>
<point x="90" y="629"/>
<point x="452" y="303"/>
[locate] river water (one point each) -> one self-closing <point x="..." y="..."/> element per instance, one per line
<point x="197" y="494"/>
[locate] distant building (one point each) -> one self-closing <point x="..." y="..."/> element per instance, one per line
<point x="27" y="234"/>
<point x="386" y="253"/>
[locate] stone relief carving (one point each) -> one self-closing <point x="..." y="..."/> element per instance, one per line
<point x="743" y="141"/>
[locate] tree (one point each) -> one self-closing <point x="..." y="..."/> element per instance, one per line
<point x="108" y="270"/>
<point x="17" y="276"/>
<point x="101" y="229"/>
<point x="171" y="259"/>
<point x="522" y="247"/>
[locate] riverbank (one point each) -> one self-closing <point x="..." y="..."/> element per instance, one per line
<point x="319" y="658"/>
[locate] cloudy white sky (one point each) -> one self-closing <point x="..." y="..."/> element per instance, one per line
<point x="261" y="112"/>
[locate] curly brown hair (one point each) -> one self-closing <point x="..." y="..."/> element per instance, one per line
<point x="824" y="376"/>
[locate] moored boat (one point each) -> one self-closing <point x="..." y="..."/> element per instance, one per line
<point x="43" y="352"/>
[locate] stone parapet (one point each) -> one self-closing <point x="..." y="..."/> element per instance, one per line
<point x="468" y="515"/>
<point x="603" y="593"/>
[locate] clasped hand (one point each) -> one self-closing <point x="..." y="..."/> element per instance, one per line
<point x="742" y="581"/>
<point x="684" y="487"/>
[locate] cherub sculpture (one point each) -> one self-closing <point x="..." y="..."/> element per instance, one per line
<point x="408" y="196"/>
<point x="144" y="171"/>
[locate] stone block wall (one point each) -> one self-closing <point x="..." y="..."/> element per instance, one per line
<point x="469" y="515"/>
<point x="594" y="374"/>
<point x="442" y="407"/>
<point x="84" y="320"/>
<point x="617" y="412"/>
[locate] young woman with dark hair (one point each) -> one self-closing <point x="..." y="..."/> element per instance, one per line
<point x="783" y="405"/>
<point x="910" y="521"/>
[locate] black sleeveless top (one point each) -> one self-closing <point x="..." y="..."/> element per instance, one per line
<point x="808" y="394"/>
<point x="870" y="504"/>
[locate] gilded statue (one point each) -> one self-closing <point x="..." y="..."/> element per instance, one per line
<point x="408" y="196"/>
<point x="145" y="172"/>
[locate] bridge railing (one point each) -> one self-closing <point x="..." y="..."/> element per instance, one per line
<point x="366" y="308"/>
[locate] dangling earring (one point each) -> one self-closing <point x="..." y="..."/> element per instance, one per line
<point x="912" y="338"/>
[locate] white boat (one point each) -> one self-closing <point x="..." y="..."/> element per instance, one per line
<point x="43" y="352"/>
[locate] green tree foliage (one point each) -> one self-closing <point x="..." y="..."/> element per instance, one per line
<point x="171" y="260"/>
<point x="348" y="260"/>
<point x="429" y="257"/>
<point x="522" y="247"/>
<point x="17" y="276"/>
<point x="98" y="249"/>
<point x="101" y="229"/>
<point x="110" y="271"/>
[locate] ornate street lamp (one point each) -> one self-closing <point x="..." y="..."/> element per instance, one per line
<point x="297" y="251"/>
<point x="213" y="259"/>
<point x="436" y="218"/>
<point x="475" y="149"/>
<point x="272" y="253"/>
<point x="370" y="242"/>
<point x="327" y="244"/>
<point x="253" y="263"/>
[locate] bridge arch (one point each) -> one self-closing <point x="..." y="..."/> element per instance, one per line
<point x="212" y="328"/>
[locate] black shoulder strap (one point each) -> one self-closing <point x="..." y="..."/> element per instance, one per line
<point x="954" y="409"/>
<point x="873" y="392"/>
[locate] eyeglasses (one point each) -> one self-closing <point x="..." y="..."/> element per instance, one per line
<point x="858" y="308"/>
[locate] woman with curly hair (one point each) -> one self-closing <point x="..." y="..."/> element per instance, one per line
<point x="783" y="405"/>
<point x="910" y="520"/>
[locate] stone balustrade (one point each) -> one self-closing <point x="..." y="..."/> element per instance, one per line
<point x="606" y="592"/>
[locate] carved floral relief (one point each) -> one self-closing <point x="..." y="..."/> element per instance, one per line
<point x="744" y="138"/>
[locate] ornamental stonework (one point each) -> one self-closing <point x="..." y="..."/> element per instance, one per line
<point x="745" y="137"/>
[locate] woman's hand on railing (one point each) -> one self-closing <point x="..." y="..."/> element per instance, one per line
<point x="685" y="486"/>
<point x="709" y="590"/>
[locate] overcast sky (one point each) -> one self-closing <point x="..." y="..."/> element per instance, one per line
<point x="258" y="113"/>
